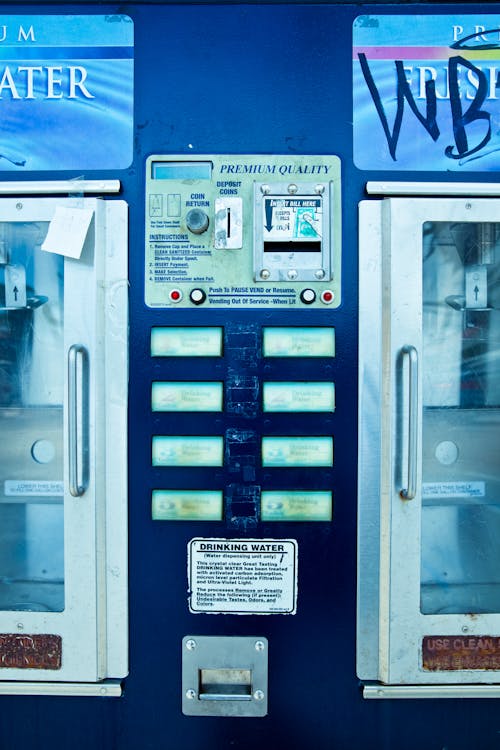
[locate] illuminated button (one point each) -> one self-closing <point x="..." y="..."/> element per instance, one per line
<point x="186" y="396"/>
<point x="296" y="505"/>
<point x="187" y="505"/>
<point x="298" y="342"/>
<point x="295" y="396"/>
<point x="175" y="295"/>
<point x="186" y="342"/>
<point x="197" y="221"/>
<point x="187" y="450"/>
<point x="327" y="297"/>
<point x="297" y="451"/>
<point x="308" y="296"/>
<point x="197" y="296"/>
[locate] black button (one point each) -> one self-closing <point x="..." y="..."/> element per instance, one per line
<point x="308" y="296"/>
<point x="197" y="296"/>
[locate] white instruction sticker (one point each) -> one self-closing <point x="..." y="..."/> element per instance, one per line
<point x="453" y="489"/>
<point x="68" y="231"/>
<point x="32" y="488"/>
<point x="243" y="576"/>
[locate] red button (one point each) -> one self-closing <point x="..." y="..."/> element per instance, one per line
<point x="175" y="295"/>
<point x="327" y="297"/>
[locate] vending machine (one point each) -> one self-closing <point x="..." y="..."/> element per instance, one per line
<point x="249" y="375"/>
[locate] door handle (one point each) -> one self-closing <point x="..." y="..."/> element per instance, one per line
<point x="78" y="428"/>
<point x="410" y="491"/>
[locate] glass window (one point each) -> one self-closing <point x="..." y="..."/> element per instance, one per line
<point x="460" y="566"/>
<point x="31" y="420"/>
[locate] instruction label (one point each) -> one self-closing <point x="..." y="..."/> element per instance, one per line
<point x="243" y="576"/>
<point x="441" y="653"/>
<point x="439" y="490"/>
<point x="32" y="488"/>
<point x="289" y="219"/>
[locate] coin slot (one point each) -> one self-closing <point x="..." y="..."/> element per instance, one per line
<point x="228" y="233"/>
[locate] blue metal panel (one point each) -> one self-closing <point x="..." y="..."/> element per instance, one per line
<point x="264" y="79"/>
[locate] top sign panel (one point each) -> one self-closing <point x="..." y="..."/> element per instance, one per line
<point x="432" y="101"/>
<point x="66" y="92"/>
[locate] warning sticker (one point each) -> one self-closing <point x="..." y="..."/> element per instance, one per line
<point x="243" y="576"/>
<point x="455" y="652"/>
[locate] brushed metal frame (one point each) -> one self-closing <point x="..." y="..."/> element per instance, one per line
<point x="105" y="689"/>
<point x="448" y="189"/>
<point x="369" y="445"/>
<point x="55" y="187"/>
<point x="226" y="653"/>
<point x="378" y="691"/>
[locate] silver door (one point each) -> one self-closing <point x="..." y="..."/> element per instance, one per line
<point x="59" y="397"/>
<point x="429" y="441"/>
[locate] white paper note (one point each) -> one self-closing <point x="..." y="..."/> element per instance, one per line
<point x="68" y="231"/>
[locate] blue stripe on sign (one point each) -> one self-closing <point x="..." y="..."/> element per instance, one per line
<point x="66" y="53"/>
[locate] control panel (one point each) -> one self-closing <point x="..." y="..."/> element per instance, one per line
<point x="242" y="272"/>
<point x="243" y="231"/>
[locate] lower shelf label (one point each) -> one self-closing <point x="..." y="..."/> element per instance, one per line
<point x="32" y="488"/>
<point x="456" y="652"/>
<point x="442" y="490"/>
<point x="243" y="576"/>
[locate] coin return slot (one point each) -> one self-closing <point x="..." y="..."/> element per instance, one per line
<point x="225" y="684"/>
